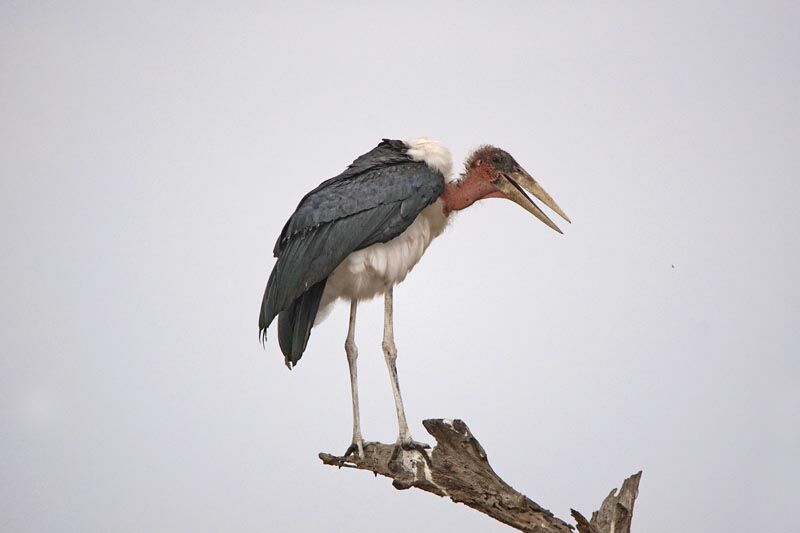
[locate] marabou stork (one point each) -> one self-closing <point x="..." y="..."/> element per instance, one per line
<point x="360" y="233"/>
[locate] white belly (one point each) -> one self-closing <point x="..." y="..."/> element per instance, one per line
<point x="369" y="272"/>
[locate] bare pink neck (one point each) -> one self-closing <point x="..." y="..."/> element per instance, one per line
<point x="461" y="194"/>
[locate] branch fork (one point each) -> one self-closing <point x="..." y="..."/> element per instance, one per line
<point x="458" y="468"/>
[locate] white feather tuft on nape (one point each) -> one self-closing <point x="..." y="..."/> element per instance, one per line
<point x="433" y="153"/>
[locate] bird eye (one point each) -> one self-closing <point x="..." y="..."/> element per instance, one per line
<point x="496" y="159"/>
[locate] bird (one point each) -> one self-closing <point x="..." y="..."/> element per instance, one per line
<point x="358" y="234"/>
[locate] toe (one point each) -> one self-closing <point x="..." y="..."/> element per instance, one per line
<point x="355" y="449"/>
<point x="408" y="445"/>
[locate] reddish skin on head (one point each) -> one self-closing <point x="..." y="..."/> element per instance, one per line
<point x="476" y="183"/>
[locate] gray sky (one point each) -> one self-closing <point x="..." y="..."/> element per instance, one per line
<point x="149" y="156"/>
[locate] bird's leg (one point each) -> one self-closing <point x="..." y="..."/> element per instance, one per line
<point x="350" y="348"/>
<point x="390" y="353"/>
<point x="404" y="440"/>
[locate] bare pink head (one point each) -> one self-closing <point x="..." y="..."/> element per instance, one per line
<point x="491" y="172"/>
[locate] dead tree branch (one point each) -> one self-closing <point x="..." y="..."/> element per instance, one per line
<point x="458" y="468"/>
<point x="615" y="513"/>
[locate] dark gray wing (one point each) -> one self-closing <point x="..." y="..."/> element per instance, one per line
<point x="374" y="200"/>
<point x="361" y="186"/>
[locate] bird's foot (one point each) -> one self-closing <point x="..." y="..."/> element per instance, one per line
<point x="408" y="445"/>
<point x="356" y="449"/>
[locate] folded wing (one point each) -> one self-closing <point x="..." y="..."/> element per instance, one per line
<point x="374" y="200"/>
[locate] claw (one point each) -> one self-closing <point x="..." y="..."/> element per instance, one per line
<point x="356" y="449"/>
<point x="414" y="445"/>
<point x="409" y="445"/>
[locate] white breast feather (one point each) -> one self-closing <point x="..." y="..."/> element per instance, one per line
<point x="367" y="273"/>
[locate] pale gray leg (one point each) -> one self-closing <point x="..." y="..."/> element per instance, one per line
<point x="390" y="353"/>
<point x="352" y="355"/>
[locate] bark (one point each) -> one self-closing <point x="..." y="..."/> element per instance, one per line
<point x="616" y="511"/>
<point x="457" y="467"/>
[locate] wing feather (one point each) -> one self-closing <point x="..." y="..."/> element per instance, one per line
<point x="374" y="200"/>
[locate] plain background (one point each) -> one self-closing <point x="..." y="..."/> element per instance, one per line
<point x="150" y="155"/>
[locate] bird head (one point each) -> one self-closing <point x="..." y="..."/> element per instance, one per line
<point x="502" y="177"/>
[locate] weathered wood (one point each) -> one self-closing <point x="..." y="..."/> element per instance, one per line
<point x="583" y="525"/>
<point x="616" y="511"/>
<point x="457" y="467"/>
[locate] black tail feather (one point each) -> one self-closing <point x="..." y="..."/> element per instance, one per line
<point x="295" y="323"/>
<point x="267" y="312"/>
